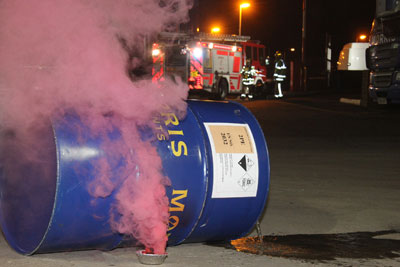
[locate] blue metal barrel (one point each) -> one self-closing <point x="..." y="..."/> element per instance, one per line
<point x="216" y="159"/>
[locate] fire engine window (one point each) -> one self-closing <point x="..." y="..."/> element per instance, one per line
<point x="248" y="52"/>
<point x="207" y="59"/>
<point x="176" y="56"/>
<point x="255" y="53"/>
<point x="262" y="56"/>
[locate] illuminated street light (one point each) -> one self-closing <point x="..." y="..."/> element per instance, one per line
<point x="362" y="37"/>
<point x="292" y="49"/>
<point x="216" y="30"/>
<point x="244" y="5"/>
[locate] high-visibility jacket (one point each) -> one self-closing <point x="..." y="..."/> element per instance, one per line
<point x="280" y="71"/>
<point x="248" y="74"/>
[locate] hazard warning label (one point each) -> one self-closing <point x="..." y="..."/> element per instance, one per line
<point x="235" y="162"/>
<point x="246" y="163"/>
<point x="246" y="182"/>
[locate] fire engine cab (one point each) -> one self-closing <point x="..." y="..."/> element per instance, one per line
<point x="210" y="62"/>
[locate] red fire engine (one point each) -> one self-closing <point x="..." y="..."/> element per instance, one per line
<point x="210" y="62"/>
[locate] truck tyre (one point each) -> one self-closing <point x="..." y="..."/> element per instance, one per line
<point x="268" y="89"/>
<point x="259" y="89"/>
<point x="222" y="89"/>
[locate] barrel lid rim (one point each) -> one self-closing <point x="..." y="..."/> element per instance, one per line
<point x="207" y="174"/>
<point x="55" y="195"/>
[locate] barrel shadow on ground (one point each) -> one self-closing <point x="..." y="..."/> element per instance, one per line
<point x="321" y="247"/>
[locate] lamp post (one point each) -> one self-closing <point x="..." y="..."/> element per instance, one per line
<point x="244" y="5"/>
<point x="303" y="70"/>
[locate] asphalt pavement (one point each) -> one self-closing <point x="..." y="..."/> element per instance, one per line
<point x="334" y="194"/>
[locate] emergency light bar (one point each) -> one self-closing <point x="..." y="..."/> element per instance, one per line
<point x="211" y="45"/>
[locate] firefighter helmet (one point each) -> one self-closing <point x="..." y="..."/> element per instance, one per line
<point x="278" y="54"/>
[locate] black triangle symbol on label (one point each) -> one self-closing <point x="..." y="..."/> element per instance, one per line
<point x="243" y="163"/>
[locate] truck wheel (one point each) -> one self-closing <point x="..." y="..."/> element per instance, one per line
<point x="259" y="89"/>
<point x="222" y="89"/>
<point x="268" y="89"/>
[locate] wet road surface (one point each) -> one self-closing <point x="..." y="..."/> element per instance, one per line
<point x="322" y="247"/>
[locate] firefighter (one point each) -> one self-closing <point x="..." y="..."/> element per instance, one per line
<point x="248" y="73"/>
<point x="279" y="74"/>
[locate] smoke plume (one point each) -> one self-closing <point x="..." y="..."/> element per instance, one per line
<point x="88" y="55"/>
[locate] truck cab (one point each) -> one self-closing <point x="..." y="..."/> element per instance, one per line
<point x="383" y="57"/>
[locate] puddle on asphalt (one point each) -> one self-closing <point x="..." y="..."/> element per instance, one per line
<point x="323" y="247"/>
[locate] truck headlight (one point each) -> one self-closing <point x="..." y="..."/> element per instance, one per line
<point x="156" y="52"/>
<point x="198" y="52"/>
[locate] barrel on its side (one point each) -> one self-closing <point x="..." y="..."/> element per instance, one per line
<point x="216" y="159"/>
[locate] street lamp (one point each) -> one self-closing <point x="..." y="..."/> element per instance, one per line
<point x="362" y="38"/>
<point x="244" y="5"/>
<point x="215" y="30"/>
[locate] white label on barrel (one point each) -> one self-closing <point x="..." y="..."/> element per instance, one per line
<point x="235" y="160"/>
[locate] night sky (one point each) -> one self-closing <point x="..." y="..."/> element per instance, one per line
<point x="277" y="23"/>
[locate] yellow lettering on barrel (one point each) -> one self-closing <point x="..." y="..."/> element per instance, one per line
<point x="170" y="132"/>
<point x="171" y="119"/>
<point x="173" y="222"/>
<point x="178" y="206"/>
<point x="156" y="120"/>
<point x="161" y="137"/>
<point x="159" y="128"/>
<point x="178" y="152"/>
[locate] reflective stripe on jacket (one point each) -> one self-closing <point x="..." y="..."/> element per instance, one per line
<point x="280" y="71"/>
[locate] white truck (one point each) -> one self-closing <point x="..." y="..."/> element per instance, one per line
<point x="352" y="57"/>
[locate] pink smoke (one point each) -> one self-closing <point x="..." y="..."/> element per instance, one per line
<point x="77" y="53"/>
